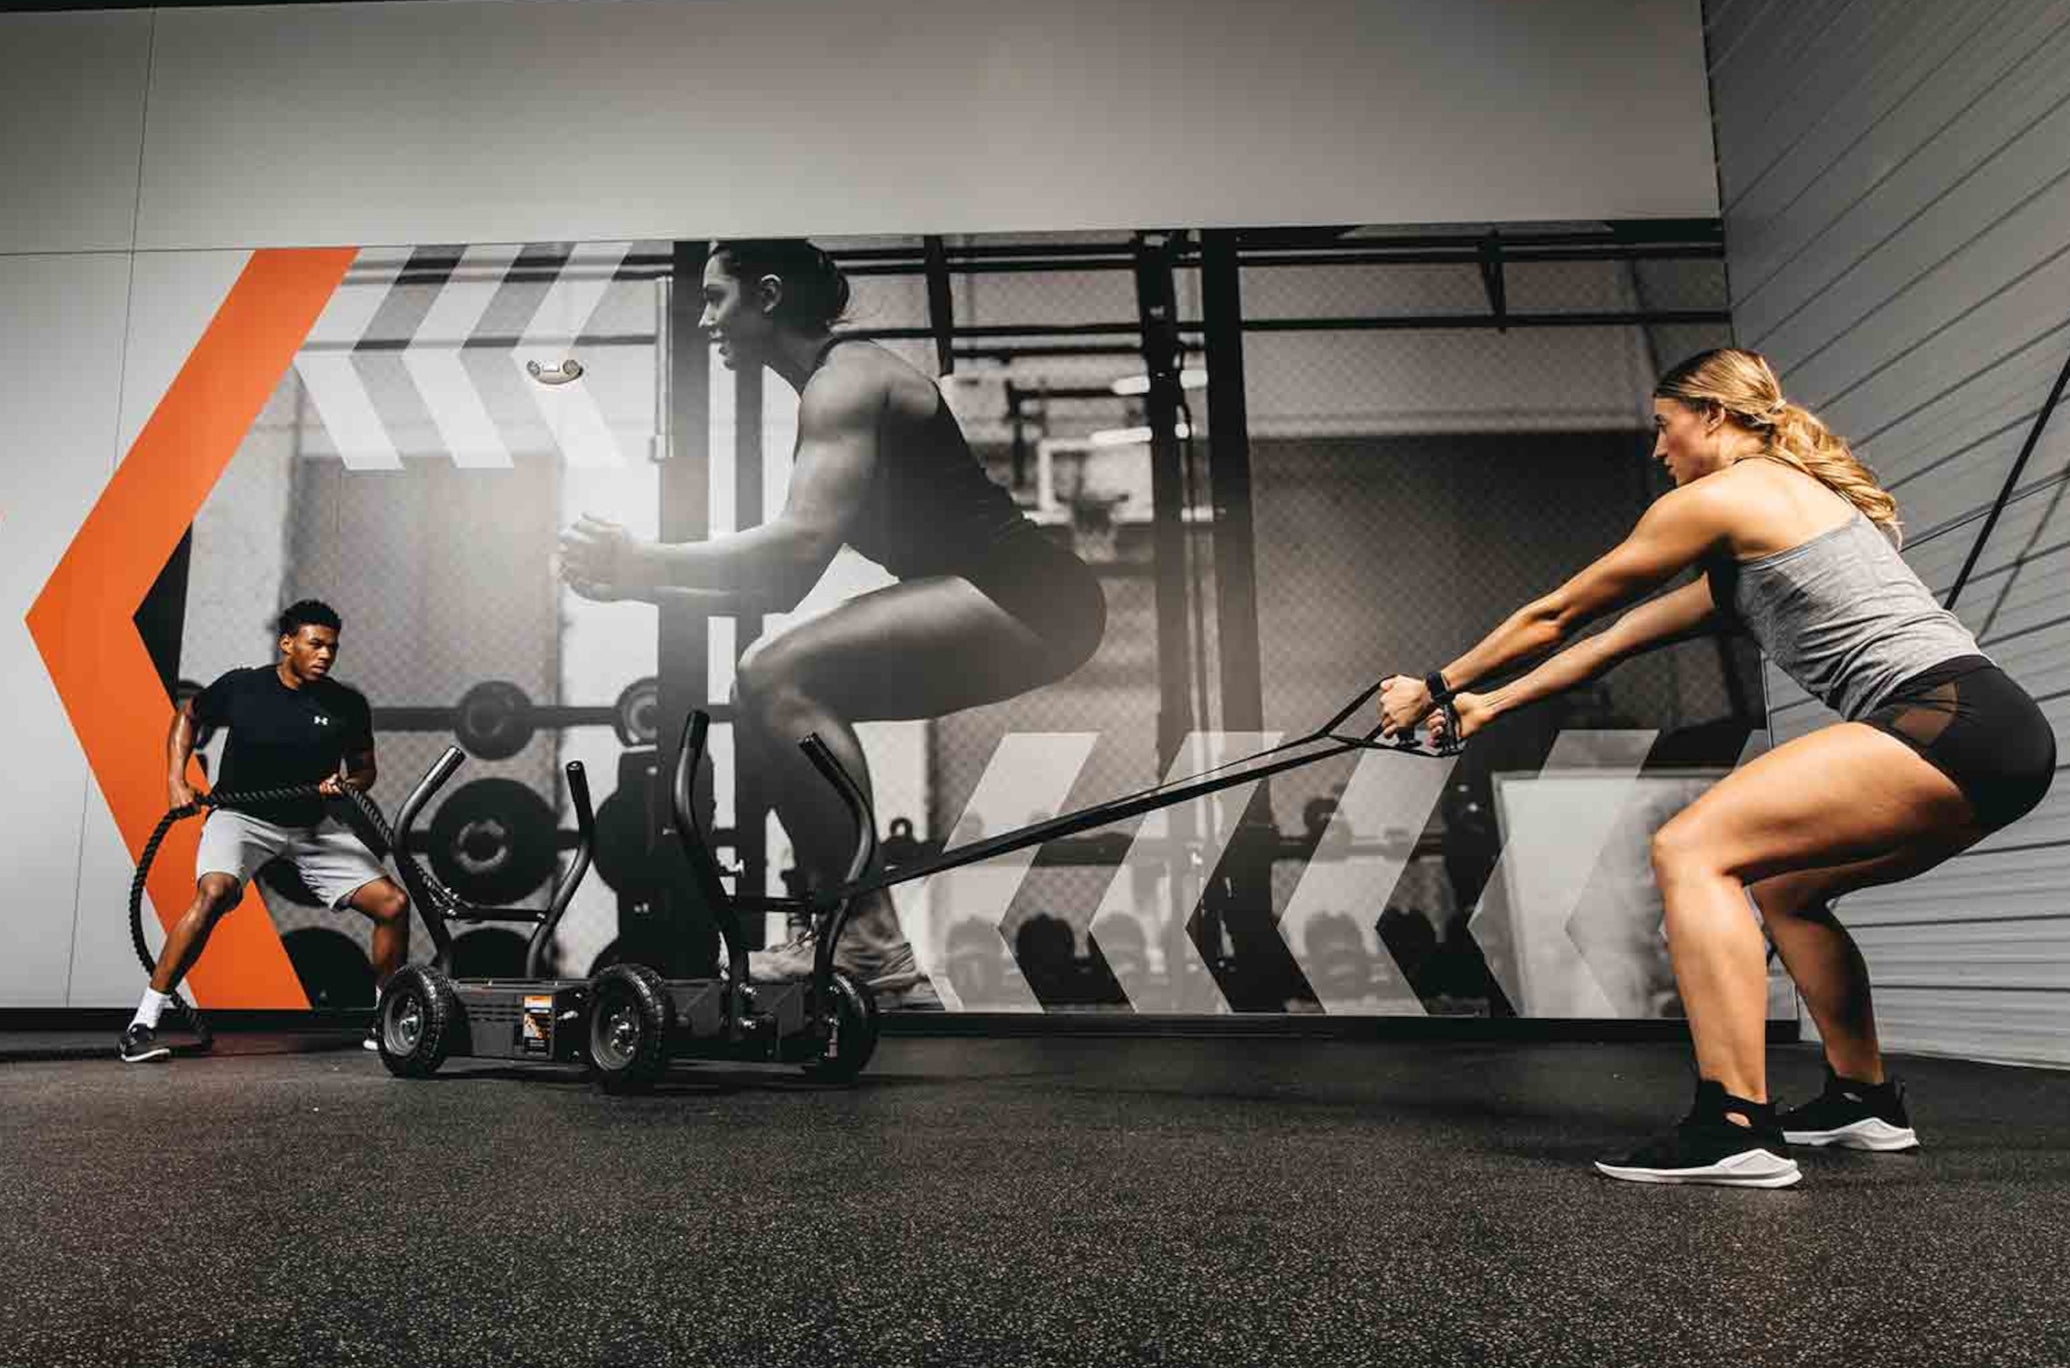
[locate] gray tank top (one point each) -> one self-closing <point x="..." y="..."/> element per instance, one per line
<point x="1842" y="614"/>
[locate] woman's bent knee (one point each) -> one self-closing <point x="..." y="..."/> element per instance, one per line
<point x="765" y="668"/>
<point x="773" y="699"/>
<point x="1678" y="849"/>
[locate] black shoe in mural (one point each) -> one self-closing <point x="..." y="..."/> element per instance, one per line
<point x="897" y="983"/>
<point x="894" y="977"/>
<point x="1852" y="1115"/>
<point x="139" y="1045"/>
<point x="1706" y="1147"/>
<point x="786" y="963"/>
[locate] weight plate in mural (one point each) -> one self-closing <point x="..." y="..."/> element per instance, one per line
<point x="493" y="720"/>
<point x="493" y="842"/>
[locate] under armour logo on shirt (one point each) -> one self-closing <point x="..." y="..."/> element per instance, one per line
<point x="322" y="721"/>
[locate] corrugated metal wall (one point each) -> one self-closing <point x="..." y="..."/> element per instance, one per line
<point x="1896" y="183"/>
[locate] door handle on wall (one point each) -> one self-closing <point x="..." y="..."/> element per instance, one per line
<point x="561" y="374"/>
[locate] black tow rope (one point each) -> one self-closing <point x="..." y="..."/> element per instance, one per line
<point x="1174" y="791"/>
<point x="182" y="1008"/>
<point x="1404" y="742"/>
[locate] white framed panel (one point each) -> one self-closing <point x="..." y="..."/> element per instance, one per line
<point x="62" y="354"/>
<point x="507" y="120"/>
<point x="171" y="299"/>
<point x="72" y="102"/>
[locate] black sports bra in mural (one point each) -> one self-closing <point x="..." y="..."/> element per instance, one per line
<point x="930" y="508"/>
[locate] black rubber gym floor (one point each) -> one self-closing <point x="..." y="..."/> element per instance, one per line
<point x="1023" y="1201"/>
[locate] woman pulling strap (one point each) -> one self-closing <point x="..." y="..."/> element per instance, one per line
<point x="986" y="606"/>
<point x="1798" y="546"/>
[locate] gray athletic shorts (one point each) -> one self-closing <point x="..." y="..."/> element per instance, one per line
<point x="330" y="858"/>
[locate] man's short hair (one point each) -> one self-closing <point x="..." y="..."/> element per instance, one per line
<point x="309" y="613"/>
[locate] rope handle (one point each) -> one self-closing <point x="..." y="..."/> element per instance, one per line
<point x="1442" y="695"/>
<point x="362" y="802"/>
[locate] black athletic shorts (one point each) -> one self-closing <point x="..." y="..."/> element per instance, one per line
<point x="1048" y="588"/>
<point x="1969" y="719"/>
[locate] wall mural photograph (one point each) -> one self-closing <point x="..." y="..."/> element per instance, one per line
<point x="1019" y="524"/>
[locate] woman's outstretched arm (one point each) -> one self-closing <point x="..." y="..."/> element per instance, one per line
<point x="764" y="568"/>
<point x="1676" y="616"/>
<point x="1680" y="527"/>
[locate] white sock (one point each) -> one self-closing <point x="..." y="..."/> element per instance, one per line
<point x="148" y="1010"/>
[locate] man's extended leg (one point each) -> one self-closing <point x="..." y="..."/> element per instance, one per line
<point x="214" y="894"/>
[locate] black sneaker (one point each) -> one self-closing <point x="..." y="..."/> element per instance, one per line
<point x="139" y="1045"/>
<point x="1851" y="1115"/>
<point x="1707" y="1148"/>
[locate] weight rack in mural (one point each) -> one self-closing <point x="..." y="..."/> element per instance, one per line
<point x="455" y="406"/>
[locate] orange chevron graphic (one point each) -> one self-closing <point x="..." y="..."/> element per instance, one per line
<point x="83" y="623"/>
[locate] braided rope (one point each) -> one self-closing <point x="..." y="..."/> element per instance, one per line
<point x="187" y="1011"/>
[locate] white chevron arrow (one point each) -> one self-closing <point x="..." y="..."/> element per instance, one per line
<point x="1385" y="792"/>
<point x="1210" y="822"/>
<point x="433" y="358"/>
<point x="570" y="410"/>
<point x="333" y="382"/>
<point x="1549" y="851"/>
<point x="1028" y="773"/>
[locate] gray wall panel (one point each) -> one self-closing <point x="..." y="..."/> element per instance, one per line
<point x="1912" y="435"/>
<point x="61" y="350"/>
<point x="1929" y="72"/>
<point x="1907" y="220"/>
<point x="1769" y="165"/>
<point x="1764" y="73"/>
<point x="1837" y="149"/>
<point x="1905" y="295"/>
<point x="1957" y="322"/>
<point x="1729" y="24"/>
<point x="2026" y="524"/>
<point x="1967" y="487"/>
<point x="1976" y="1024"/>
<point x="1903" y="255"/>
<point x="72" y="102"/>
<point x="1979" y="889"/>
<point x="1990" y="955"/>
<point x="325" y="124"/>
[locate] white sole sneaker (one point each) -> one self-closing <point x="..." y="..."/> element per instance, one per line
<point x="1755" y="1168"/>
<point x="1867" y="1134"/>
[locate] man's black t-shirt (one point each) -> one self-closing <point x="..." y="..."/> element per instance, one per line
<point x="281" y="737"/>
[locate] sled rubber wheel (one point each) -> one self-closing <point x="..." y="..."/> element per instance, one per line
<point x="630" y="1018"/>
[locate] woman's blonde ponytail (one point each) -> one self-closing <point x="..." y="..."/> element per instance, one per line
<point x="1744" y="385"/>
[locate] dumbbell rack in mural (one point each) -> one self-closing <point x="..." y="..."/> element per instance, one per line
<point x="495" y="840"/>
<point x="496" y="719"/>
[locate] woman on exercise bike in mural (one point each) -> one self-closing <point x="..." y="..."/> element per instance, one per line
<point x="986" y="606"/>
